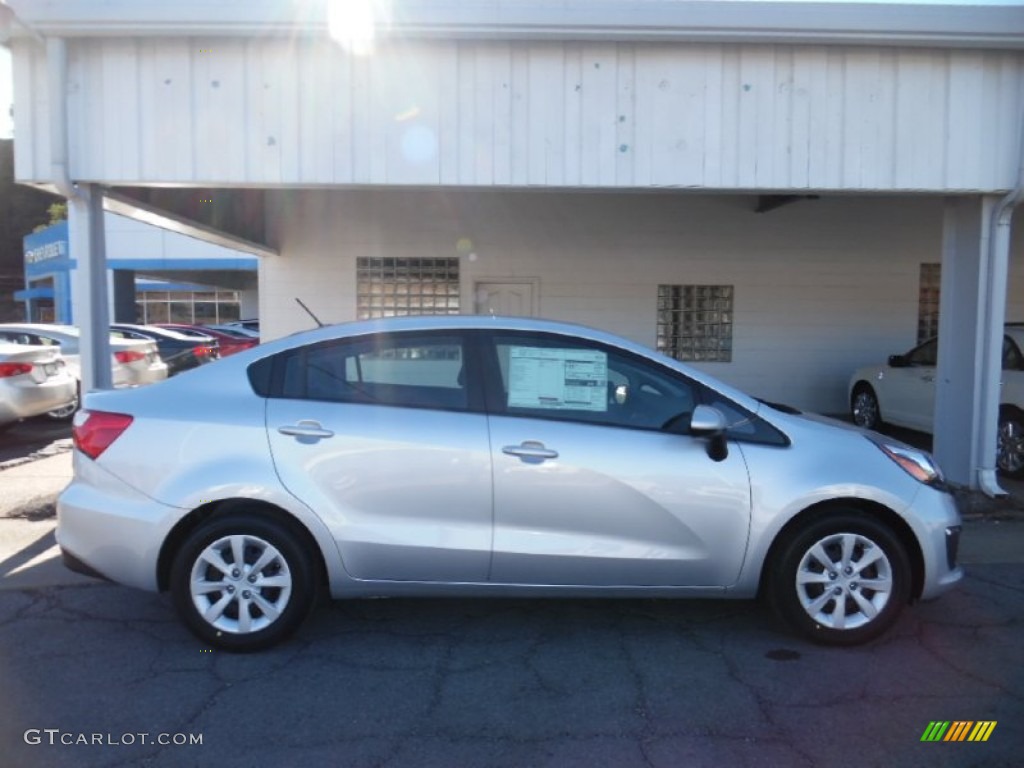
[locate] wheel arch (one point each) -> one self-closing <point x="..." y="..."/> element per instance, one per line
<point x="879" y="512"/>
<point x="194" y="519"/>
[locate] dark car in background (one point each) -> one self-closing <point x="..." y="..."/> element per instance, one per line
<point x="230" y="342"/>
<point x="179" y="351"/>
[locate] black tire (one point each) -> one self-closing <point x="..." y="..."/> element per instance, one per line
<point x="811" y="605"/>
<point x="243" y="598"/>
<point x="864" y="408"/>
<point x="67" y="413"/>
<point x="1010" y="448"/>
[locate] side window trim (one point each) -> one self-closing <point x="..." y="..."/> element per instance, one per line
<point x="473" y="387"/>
<point x="495" y="388"/>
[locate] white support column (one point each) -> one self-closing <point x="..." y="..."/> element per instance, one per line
<point x="249" y="301"/>
<point x="92" y="315"/>
<point x="969" y="368"/>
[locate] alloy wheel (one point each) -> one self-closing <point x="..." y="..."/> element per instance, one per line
<point x="240" y="584"/>
<point x="844" y="581"/>
<point x="1010" y="448"/>
<point x="865" y="409"/>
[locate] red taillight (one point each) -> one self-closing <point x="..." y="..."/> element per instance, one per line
<point x="129" y="356"/>
<point x="94" y="431"/>
<point x="14" y="369"/>
<point x="202" y="351"/>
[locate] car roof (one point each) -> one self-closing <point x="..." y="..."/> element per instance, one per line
<point x="68" y="330"/>
<point x="167" y="333"/>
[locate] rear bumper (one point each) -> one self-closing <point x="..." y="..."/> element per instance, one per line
<point x="19" y="401"/>
<point x="72" y="563"/>
<point x="109" y="529"/>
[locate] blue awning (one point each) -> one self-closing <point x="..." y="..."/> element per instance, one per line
<point x="27" y="294"/>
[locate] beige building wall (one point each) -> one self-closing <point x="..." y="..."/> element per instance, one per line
<point x="821" y="286"/>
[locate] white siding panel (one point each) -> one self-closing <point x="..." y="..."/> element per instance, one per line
<point x="119" y="62"/>
<point x="519" y="162"/>
<point x="619" y="144"/>
<point x="340" y="97"/>
<point x="965" y="127"/>
<point x="573" y="138"/>
<point x="481" y="113"/>
<point x="165" y="88"/>
<point x="220" y="125"/>
<point x="31" y="118"/>
<point x="600" y="80"/>
<point x="503" y="113"/>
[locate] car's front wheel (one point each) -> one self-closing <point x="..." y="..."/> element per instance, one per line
<point x="243" y="582"/>
<point x="864" y="407"/>
<point x="1010" y="448"/>
<point x="841" y="579"/>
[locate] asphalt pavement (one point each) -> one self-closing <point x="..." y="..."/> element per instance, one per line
<point x="93" y="674"/>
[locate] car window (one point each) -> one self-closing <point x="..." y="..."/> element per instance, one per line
<point x="23" y="337"/>
<point x="411" y="370"/>
<point x="558" y="378"/>
<point x="1012" y="358"/>
<point x="925" y="354"/>
<point x="117" y="333"/>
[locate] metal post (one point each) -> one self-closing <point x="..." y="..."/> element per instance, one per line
<point x="92" y="315"/>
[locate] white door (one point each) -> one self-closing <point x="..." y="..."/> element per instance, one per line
<point x="505" y="297"/>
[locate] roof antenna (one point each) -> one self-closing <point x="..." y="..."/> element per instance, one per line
<point x="310" y="313"/>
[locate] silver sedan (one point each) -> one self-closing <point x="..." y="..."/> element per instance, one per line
<point x="33" y="380"/>
<point x="490" y="457"/>
<point x="133" y="363"/>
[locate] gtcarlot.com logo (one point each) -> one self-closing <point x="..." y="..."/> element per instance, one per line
<point x="55" y="736"/>
<point x="958" y="730"/>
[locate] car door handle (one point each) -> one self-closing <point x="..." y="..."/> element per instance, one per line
<point x="928" y="377"/>
<point x="305" y="428"/>
<point x="530" y="449"/>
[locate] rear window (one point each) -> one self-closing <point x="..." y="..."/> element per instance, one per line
<point x="409" y="370"/>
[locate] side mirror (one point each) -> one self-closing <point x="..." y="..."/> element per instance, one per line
<point x="898" y="361"/>
<point x="710" y="422"/>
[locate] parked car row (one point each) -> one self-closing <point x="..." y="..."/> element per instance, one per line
<point x="902" y="393"/>
<point x="140" y="354"/>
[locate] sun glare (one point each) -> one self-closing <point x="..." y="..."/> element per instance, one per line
<point x="353" y="24"/>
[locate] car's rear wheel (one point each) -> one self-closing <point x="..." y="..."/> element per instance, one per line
<point x="243" y="582"/>
<point x="68" y="411"/>
<point x="1010" y="448"/>
<point x="864" y="407"/>
<point x="841" y="579"/>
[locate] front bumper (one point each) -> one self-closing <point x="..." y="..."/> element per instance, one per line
<point x="936" y="520"/>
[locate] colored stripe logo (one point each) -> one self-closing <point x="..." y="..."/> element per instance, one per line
<point x="958" y="730"/>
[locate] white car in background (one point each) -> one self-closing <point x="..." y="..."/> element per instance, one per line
<point x="33" y="380"/>
<point x="902" y="393"/>
<point x="133" y="362"/>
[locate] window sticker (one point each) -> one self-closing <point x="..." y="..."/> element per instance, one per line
<point x="559" y="379"/>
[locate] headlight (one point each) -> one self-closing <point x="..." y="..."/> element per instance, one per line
<point x="918" y="464"/>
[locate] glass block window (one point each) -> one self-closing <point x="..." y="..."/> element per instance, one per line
<point x="695" y="322"/>
<point x="389" y="287"/>
<point x="928" y="302"/>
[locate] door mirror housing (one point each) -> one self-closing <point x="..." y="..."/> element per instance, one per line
<point x="710" y="422"/>
<point x="898" y="361"/>
<point x="707" y="421"/>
